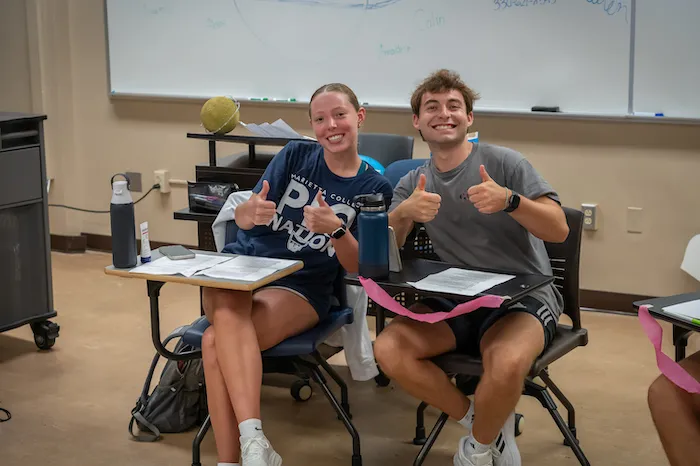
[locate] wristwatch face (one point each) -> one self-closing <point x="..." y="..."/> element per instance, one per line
<point x="338" y="233"/>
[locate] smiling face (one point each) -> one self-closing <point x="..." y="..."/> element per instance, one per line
<point x="443" y="118"/>
<point x="335" y="121"/>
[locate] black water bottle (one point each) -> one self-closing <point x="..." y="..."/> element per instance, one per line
<point x="123" y="225"/>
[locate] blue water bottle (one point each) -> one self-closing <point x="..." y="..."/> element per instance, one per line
<point x="373" y="228"/>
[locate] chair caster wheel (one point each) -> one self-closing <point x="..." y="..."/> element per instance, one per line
<point x="382" y="380"/>
<point x="301" y="390"/>
<point x="45" y="334"/>
<point x="519" y="424"/>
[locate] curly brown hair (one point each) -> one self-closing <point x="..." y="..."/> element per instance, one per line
<point x="442" y="81"/>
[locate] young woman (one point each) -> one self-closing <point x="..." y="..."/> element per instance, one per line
<point x="300" y="209"/>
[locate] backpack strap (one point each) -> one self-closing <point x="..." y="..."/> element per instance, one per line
<point x="151" y="436"/>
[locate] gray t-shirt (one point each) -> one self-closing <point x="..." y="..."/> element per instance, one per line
<point x="462" y="235"/>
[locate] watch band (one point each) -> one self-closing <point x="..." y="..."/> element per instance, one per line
<point x="339" y="232"/>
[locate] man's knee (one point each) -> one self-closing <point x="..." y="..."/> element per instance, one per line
<point x="660" y="396"/>
<point x="506" y="365"/>
<point x="391" y="348"/>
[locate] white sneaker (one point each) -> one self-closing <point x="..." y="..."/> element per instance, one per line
<point x="257" y="451"/>
<point x="462" y="458"/>
<point x="504" y="449"/>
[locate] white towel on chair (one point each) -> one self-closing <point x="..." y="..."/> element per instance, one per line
<point x="353" y="338"/>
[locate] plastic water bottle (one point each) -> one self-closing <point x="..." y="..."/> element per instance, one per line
<point x="373" y="228"/>
<point x="123" y="225"/>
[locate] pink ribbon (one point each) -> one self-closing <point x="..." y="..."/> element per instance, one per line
<point x="382" y="298"/>
<point x="668" y="367"/>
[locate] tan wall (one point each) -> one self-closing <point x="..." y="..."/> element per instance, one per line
<point x="15" y="88"/>
<point x="616" y="165"/>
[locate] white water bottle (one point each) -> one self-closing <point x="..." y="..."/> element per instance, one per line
<point x="123" y="225"/>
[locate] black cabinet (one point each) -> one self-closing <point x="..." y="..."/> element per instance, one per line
<point x="26" y="295"/>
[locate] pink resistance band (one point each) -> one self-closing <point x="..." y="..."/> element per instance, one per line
<point x="668" y="367"/>
<point x="672" y="370"/>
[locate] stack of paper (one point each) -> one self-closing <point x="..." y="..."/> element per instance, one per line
<point x="460" y="281"/>
<point x="278" y="129"/>
<point x="688" y="311"/>
<point x="246" y="268"/>
<point x="185" y="267"/>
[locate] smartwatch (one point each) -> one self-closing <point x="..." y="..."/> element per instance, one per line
<point x="339" y="232"/>
<point x="513" y="202"/>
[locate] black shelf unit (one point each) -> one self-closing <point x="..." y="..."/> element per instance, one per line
<point x="26" y="291"/>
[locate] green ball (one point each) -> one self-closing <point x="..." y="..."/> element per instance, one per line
<point x="220" y="115"/>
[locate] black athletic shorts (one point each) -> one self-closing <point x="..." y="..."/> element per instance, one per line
<point x="470" y="328"/>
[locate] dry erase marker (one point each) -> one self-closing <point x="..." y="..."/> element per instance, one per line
<point x="649" y="114"/>
<point x="286" y="100"/>
<point x="259" y="98"/>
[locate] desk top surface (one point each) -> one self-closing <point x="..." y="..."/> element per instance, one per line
<point x="204" y="281"/>
<point x="417" y="269"/>
<point x="11" y="116"/>
<point x="657" y="303"/>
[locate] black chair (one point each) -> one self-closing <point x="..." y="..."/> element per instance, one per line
<point x="385" y="148"/>
<point x="300" y="355"/>
<point x="466" y="370"/>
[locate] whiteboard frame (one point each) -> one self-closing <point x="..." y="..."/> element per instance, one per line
<point x="628" y="117"/>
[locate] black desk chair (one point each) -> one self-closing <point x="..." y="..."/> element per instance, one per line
<point x="299" y="355"/>
<point x="385" y="148"/>
<point x="466" y="370"/>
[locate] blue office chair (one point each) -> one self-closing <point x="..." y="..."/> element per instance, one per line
<point x="385" y="148"/>
<point x="297" y="355"/>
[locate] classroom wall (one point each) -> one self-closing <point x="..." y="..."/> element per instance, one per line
<point x="15" y="89"/>
<point x="617" y="165"/>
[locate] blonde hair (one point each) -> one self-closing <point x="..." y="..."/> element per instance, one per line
<point x="336" y="87"/>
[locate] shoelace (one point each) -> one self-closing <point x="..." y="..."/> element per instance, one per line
<point x="253" y="453"/>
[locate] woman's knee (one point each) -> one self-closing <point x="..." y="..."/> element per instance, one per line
<point x="209" y="347"/>
<point x="223" y="304"/>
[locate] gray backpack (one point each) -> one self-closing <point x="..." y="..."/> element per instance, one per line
<point x="177" y="403"/>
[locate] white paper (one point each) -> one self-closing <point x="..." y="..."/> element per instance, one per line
<point x="460" y="281"/>
<point x="688" y="309"/>
<point x="278" y="129"/>
<point x="247" y="268"/>
<point x="184" y="267"/>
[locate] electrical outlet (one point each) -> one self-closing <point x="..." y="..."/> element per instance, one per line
<point x="634" y="220"/>
<point x="135" y="182"/>
<point x="162" y="177"/>
<point x="590" y="216"/>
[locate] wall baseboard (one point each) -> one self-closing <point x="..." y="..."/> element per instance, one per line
<point x="104" y="243"/>
<point x="610" y="301"/>
<point x="592" y="299"/>
<point x="68" y="244"/>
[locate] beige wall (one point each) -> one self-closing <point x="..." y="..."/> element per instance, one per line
<point x="15" y="88"/>
<point x="616" y="165"/>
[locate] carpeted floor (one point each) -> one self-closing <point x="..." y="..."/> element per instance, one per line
<point x="72" y="405"/>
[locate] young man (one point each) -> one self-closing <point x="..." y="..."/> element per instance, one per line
<point x="482" y="206"/>
<point x="676" y="415"/>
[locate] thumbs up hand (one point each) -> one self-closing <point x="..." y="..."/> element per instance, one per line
<point x="263" y="211"/>
<point x="488" y="196"/>
<point x="321" y="218"/>
<point x="422" y="206"/>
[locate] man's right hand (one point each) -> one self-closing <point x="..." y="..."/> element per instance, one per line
<point x="261" y="210"/>
<point x="421" y="206"/>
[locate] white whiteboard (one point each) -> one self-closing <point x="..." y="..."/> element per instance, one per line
<point x="667" y="58"/>
<point x="516" y="53"/>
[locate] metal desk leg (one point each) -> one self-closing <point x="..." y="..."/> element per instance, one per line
<point x="153" y="294"/>
<point x="680" y="341"/>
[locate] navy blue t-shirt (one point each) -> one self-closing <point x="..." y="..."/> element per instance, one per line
<point x="295" y="175"/>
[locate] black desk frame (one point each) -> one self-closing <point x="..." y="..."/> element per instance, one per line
<point x="681" y="329"/>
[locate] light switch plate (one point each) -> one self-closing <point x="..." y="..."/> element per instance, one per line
<point x="634" y="219"/>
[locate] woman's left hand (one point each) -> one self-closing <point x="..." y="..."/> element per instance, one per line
<point x="321" y="219"/>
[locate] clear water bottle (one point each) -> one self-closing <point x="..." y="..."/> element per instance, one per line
<point x="123" y="225"/>
<point x="373" y="229"/>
